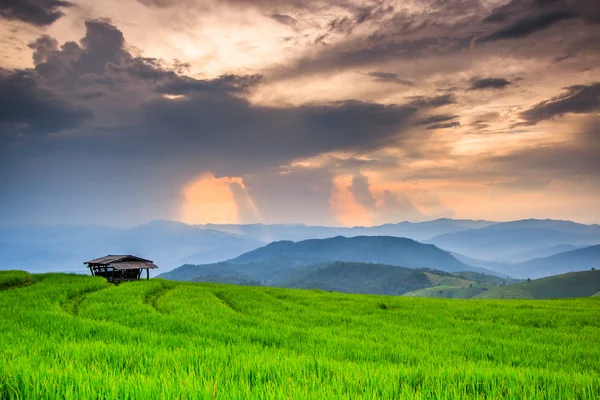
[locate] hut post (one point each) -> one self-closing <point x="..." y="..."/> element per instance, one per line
<point x="91" y="270"/>
<point x="147" y="273"/>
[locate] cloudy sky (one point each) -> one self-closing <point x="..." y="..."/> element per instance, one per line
<point x="339" y="112"/>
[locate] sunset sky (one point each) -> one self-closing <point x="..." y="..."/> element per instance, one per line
<point x="118" y="112"/>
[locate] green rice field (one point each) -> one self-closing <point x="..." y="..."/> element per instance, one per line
<point x="79" y="337"/>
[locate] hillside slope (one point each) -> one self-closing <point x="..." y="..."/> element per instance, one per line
<point x="574" y="284"/>
<point x="359" y="278"/>
<point x="575" y="260"/>
<point x="499" y="242"/>
<point x="369" y="249"/>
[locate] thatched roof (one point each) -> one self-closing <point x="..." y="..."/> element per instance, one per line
<point x="120" y="262"/>
<point x="132" y="265"/>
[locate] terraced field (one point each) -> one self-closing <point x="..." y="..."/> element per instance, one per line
<point x="78" y="337"/>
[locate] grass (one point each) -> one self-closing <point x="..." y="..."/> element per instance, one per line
<point x="78" y="337"/>
<point x="450" y="287"/>
<point x="9" y="279"/>
<point x="572" y="284"/>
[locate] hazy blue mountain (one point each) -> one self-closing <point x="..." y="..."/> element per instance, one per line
<point x="298" y="232"/>
<point x="499" y="241"/>
<point x="419" y="230"/>
<point x="370" y="249"/>
<point x="284" y="260"/>
<point x="551" y="224"/>
<point x="542" y="252"/>
<point x="170" y="244"/>
<point x="575" y="260"/>
<point x="271" y="233"/>
<point x="496" y="266"/>
<point x="65" y="248"/>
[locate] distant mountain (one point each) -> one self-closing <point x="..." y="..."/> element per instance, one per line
<point x="483" y="244"/>
<point x="574" y="260"/>
<point x="369" y="249"/>
<point x="494" y="267"/>
<point x="65" y="248"/>
<point x="419" y="230"/>
<point x="298" y="232"/>
<point x="550" y="224"/>
<point x="574" y="284"/>
<point x="285" y="261"/>
<point x="543" y="252"/>
<point x="498" y="241"/>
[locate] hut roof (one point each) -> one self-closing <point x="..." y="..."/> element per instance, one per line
<point x="125" y="261"/>
<point x="132" y="265"/>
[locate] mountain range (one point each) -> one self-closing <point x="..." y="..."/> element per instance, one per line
<point x="503" y="247"/>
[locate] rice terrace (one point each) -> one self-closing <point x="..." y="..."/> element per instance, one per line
<point x="73" y="337"/>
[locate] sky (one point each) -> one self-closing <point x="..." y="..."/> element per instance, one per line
<point x="339" y="112"/>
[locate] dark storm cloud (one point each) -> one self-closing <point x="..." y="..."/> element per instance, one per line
<point x="275" y="192"/>
<point x="179" y="85"/>
<point x="489" y="83"/>
<point x="225" y="129"/>
<point x="441" y="29"/>
<point x="444" y="125"/>
<point x="527" y="25"/>
<point x="389" y="77"/>
<point x="432" y="101"/>
<point x="436" y="119"/>
<point x="578" y="99"/>
<point x="521" y="18"/>
<point x="284" y="19"/>
<point x="103" y="44"/>
<point x="28" y="107"/>
<point x="439" y="122"/>
<point x="211" y="113"/>
<point x="143" y="139"/>
<point x="360" y="191"/>
<point x="359" y="53"/>
<point x="35" y="12"/>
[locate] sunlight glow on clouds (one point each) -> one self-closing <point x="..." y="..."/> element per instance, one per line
<point x="215" y="200"/>
<point x="344" y="206"/>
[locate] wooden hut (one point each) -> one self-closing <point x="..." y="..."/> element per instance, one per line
<point x="120" y="268"/>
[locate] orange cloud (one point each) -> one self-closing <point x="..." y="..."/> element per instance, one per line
<point x="212" y="200"/>
<point x="344" y="206"/>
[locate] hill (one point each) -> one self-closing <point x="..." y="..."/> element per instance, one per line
<point x="500" y="241"/>
<point x="79" y="337"/>
<point x="278" y="262"/>
<point x="368" y="249"/>
<point x="542" y="252"/>
<point x="574" y="284"/>
<point x="450" y="287"/>
<point x="575" y="260"/>
<point x="351" y="277"/>
<point x="487" y="278"/>
<point x="345" y="277"/>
